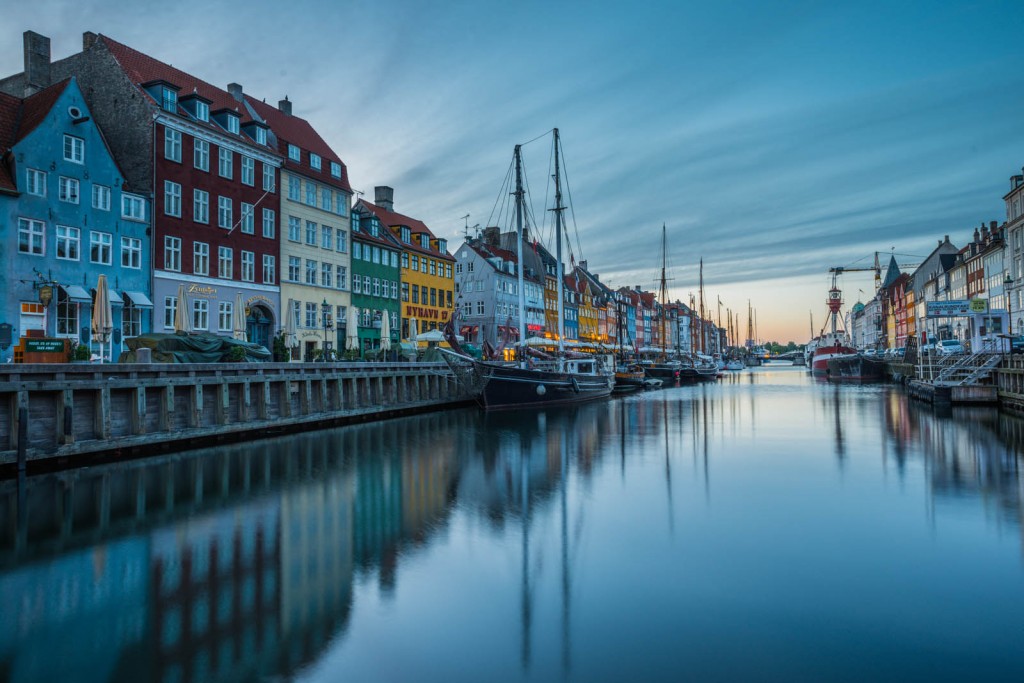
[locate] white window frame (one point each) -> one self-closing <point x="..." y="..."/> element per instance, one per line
<point x="269" y="177"/>
<point x="269" y="269"/>
<point x="248" y="170"/>
<point x="103" y="242"/>
<point x="100" y="197"/>
<point x="172" y="199"/>
<point x="200" y="314"/>
<point x="311" y="270"/>
<point x="314" y="161"/>
<point x="201" y="206"/>
<point x="200" y="258"/>
<point x="335" y="169"/>
<point x="133" y="208"/>
<point x="248" y="266"/>
<point x="71" y="239"/>
<point x="35" y="182"/>
<point x="294" y="153"/>
<point x="248" y="220"/>
<point x="225" y="212"/>
<point x="131" y="253"/>
<point x="269" y="223"/>
<point x="172" y="145"/>
<point x="201" y="154"/>
<point x="74" y="149"/>
<point x="225" y="316"/>
<point x="68" y="189"/>
<point x="172" y="253"/>
<point x="225" y="162"/>
<point x="225" y="262"/>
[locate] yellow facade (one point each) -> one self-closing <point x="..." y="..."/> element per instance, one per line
<point x="310" y="289"/>
<point x="428" y="286"/>
<point x="587" y="317"/>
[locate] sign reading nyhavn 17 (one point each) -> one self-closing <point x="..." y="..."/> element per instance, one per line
<point x="421" y="313"/>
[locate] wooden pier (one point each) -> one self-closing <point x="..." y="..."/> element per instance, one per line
<point x="62" y="415"/>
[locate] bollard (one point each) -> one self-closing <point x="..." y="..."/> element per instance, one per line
<point x="22" y="437"/>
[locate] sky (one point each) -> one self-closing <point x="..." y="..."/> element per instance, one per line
<point x="773" y="140"/>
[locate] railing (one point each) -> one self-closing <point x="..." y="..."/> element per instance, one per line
<point x="961" y="369"/>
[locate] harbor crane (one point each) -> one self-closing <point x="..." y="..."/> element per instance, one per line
<point x="877" y="268"/>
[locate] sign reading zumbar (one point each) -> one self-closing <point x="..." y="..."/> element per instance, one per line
<point x="44" y="346"/>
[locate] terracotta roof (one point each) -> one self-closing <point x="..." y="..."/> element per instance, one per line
<point x="385" y="237"/>
<point x="141" y="68"/>
<point x="289" y="128"/>
<point x="20" y="117"/>
<point x="391" y="219"/>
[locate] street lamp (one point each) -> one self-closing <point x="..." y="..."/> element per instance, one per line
<point x="1007" y="283"/>
<point x="325" y="311"/>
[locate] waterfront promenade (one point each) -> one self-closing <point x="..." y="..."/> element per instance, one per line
<point x="64" y="414"/>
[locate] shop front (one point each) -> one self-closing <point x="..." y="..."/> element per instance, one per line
<point x="210" y="307"/>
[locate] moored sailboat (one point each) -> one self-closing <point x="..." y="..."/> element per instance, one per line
<point x="530" y="382"/>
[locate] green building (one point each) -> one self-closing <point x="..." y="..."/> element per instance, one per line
<point x="375" y="281"/>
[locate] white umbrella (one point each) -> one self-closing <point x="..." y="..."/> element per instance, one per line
<point x="238" y="319"/>
<point x="102" y="316"/>
<point x="182" y="320"/>
<point x="430" y="336"/>
<point x="352" y="338"/>
<point x="385" y="331"/>
<point x="538" y="341"/>
<point x="291" y="337"/>
<point x="412" y="329"/>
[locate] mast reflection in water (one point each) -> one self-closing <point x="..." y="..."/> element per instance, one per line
<point x="763" y="528"/>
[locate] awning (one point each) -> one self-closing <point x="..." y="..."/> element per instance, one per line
<point x="115" y="297"/>
<point x="77" y="294"/>
<point x="139" y="299"/>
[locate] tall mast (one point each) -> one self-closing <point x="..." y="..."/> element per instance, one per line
<point x="661" y="293"/>
<point x="520" y="356"/>
<point x="703" y="333"/>
<point x="558" y="256"/>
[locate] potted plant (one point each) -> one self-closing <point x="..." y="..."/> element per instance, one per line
<point x="281" y="351"/>
<point x="236" y="354"/>
<point x="81" y="353"/>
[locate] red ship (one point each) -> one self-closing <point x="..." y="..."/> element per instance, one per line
<point x="833" y="343"/>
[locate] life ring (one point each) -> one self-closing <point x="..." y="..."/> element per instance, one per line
<point x="575" y="384"/>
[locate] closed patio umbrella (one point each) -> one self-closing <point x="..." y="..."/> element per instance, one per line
<point x="413" y="331"/>
<point x="385" y="331"/>
<point x="102" y="316"/>
<point x="352" y="340"/>
<point x="291" y="337"/>
<point x="238" y="319"/>
<point x="182" y="320"/>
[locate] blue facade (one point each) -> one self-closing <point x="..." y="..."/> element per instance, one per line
<point x="69" y="221"/>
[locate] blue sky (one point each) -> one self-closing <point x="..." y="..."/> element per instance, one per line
<point x="773" y="139"/>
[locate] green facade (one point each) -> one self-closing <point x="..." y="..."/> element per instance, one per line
<point x="375" y="259"/>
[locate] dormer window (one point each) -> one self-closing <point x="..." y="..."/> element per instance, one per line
<point x="442" y="246"/>
<point x="261" y="135"/>
<point x="314" y="161"/>
<point x="374" y="227"/>
<point x="294" y="153"/>
<point x="233" y="124"/>
<point x="335" y="169"/>
<point x="169" y="100"/>
<point x="425" y="241"/>
<point x="406" y="234"/>
<point x="202" y="111"/>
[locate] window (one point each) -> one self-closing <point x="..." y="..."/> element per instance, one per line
<point x="172" y="198"/>
<point x="365" y="316"/>
<point x="67" y="315"/>
<point x="448" y="270"/>
<point x="133" y="208"/>
<point x="248" y="266"/>
<point x="415" y="294"/>
<point x="131" y="252"/>
<point x="232" y="124"/>
<point x="406" y="234"/>
<point x="340" y="203"/>
<point x="200" y="258"/>
<point x="202" y="111"/>
<point x="35" y="182"/>
<point x="200" y="314"/>
<point x="224" y="212"/>
<point x="341" y="277"/>
<point x="479" y="307"/>
<point x="294" y="228"/>
<point x="261" y="135"/>
<point x="405" y="291"/>
<point x="310" y="314"/>
<point x="131" y="320"/>
<point x="394" y="259"/>
<point x="74" y="149"/>
<point x="172" y="145"/>
<point x="101" y="197"/>
<point x="225" y="315"/>
<point x="335" y="169"/>
<point x="247" y="219"/>
<point x="225" y="262"/>
<point x="269" y="223"/>
<point x="311" y="233"/>
<point x="376" y="286"/>
<point x="224" y="162"/>
<point x="172" y="253"/>
<point x="294" y="266"/>
<point x="366" y="285"/>
<point x="415" y="262"/>
<point x="433" y="297"/>
<point x="423" y="265"/>
<point x="294" y="153"/>
<point x="169" y="100"/>
<point x="425" y="240"/>
<point x="340" y="316"/>
<point x="325" y="199"/>
<point x="101" y="248"/>
<point x="248" y="170"/>
<point x="376" y="255"/>
<point x="170" y="308"/>
<point x="269" y="269"/>
<point x="268" y="178"/>
<point x="357" y="284"/>
<point x="326" y="271"/>
<point x="200" y="206"/>
<point x="68" y="243"/>
<point x="326" y="236"/>
<point x="405" y="260"/>
<point x="68" y="190"/>
<point x="394" y="289"/>
<point x="357" y="250"/>
<point x="310" y="193"/>
<point x="341" y="240"/>
<point x="314" y="161"/>
<point x="310" y="272"/>
<point x="293" y="188"/>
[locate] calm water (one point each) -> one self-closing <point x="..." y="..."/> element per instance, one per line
<point x="763" y="528"/>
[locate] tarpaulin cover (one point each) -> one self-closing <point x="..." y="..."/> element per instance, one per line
<point x="192" y="348"/>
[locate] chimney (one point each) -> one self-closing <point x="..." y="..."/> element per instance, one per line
<point x="285" y="106"/>
<point x="583" y="265"/>
<point x="992" y="226"/>
<point x="977" y="236"/>
<point x="384" y="197"/>
<point x="235" y="90"/>
<point x="526" y="234"/>
<point x="37" y="62"/>
<point x="88" y="40"/>
<point x="492" y="235"/>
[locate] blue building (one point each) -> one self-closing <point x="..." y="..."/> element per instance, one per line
<point x="66" y="218"/>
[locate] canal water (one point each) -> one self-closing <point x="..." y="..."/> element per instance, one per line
<point x="763" y="528"/>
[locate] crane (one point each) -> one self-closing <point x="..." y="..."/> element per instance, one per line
<point x="877" y="268"/>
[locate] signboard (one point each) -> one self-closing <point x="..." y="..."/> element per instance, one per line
<point x="948" y="309"/>
<point x="979" y="305"/>
<point x="36" y="345"/>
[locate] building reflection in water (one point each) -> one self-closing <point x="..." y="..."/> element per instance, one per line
<point x="240" y="562"/>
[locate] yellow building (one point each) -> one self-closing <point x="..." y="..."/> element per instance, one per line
<point x="427" y="282"/>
